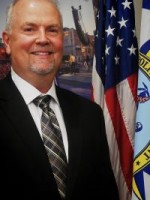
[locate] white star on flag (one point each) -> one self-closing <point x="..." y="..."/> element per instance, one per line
<point x="132" y="50"/>
<point x="122" y="23"/>
<point x="127" y="4"/>
<point x="112" y="12"/>
<point x="118" y="42"/>
<point x="110" y="31"/>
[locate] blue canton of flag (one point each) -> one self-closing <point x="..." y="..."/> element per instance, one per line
<point x="116" y="44"/>
<point x="114" y="82"/>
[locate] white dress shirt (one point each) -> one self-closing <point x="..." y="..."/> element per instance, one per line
<point x="29" y="93"/>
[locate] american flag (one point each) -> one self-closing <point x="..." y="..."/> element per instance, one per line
<point x="141" y="165"/>
<point x="114" y="82"/>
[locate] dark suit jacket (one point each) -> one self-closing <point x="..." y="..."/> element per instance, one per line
<point x="25" y="172"/>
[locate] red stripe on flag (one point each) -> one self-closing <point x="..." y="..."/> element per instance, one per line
<point x="132" y="80"/>
<point x="92" y="93"/>
<point x="124" y="145"/>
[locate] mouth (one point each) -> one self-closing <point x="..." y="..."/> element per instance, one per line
<point x="42" y="53"/>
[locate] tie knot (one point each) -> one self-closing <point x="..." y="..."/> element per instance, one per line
<point x="42" y="101"/>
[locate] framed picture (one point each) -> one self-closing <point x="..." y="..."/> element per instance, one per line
<point x="78" y="26"/>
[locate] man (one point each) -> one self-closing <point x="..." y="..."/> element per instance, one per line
<point x="34" y="40"/>
<point x="72" y="63"/>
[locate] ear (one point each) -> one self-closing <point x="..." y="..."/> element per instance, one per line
<point x="6" y="40"/>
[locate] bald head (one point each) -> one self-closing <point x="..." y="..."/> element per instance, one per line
<point x="11" y="17"/>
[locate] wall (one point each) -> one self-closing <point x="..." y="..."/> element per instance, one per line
<point x="138" y="6"/>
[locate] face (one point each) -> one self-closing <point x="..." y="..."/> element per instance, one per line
<point x="35" y="41"/>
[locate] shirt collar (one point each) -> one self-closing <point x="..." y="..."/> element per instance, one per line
<point x="28" y="91"/>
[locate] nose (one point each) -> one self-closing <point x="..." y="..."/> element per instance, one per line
<point x="42" y="37"/>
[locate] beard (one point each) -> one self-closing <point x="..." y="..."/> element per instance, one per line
<point x="42" y="68"/>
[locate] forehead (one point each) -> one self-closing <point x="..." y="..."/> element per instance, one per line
<point x="36" y="11"/>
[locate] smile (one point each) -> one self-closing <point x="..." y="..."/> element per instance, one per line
<point x="42" y="53"/>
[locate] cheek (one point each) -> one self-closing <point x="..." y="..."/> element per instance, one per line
<point x="21" y="43"/>
<point x="58" y="45"/>
<point x="59" y="50"/>
<point x="25" y="44"/>
<point x="59" y="53"/>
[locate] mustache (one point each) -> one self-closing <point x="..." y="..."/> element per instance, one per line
<point x="41" y="48"/>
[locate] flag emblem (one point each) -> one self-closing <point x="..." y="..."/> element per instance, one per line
<point x="144" y="59"/>
<point x="141" y="166"/>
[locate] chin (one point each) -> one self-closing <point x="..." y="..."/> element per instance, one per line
<point x="42" y="70"/>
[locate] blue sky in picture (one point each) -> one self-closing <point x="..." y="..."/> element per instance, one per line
<point x="86" y="13"/>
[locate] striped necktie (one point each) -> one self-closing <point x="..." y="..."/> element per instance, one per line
<point x="53" y="142"/>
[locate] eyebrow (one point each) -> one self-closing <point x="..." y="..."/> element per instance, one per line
<point x="34" y="24"/>
<point x="28" y="24"/>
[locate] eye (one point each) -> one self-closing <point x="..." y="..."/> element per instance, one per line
<point x="54" y="30"/>
<point x="28" y="29"/>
